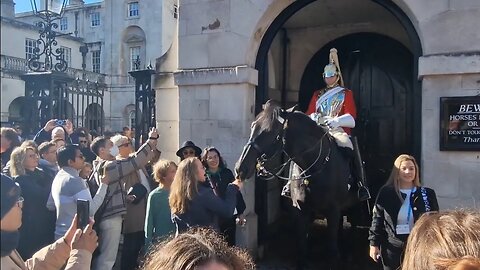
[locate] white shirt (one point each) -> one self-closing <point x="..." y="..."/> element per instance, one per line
<point x="402" y="218"/>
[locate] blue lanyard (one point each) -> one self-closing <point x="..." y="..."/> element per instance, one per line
<point x="409" y="206"/>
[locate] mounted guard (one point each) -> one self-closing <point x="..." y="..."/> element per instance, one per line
<point x="334" y="107"/>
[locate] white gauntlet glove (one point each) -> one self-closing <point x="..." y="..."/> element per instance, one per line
<point x="345" y="120"/>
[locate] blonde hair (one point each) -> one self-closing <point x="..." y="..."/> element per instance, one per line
<point x="394" y="178"/>
<point x="444" y="241"/>
<point x="184" y="186"/>
<point x="17" y="158"/>
<point x="160" y="169"/>
<point x="195" y="248"/>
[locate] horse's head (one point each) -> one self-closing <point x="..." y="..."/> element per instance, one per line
<point x="265" y="140"/>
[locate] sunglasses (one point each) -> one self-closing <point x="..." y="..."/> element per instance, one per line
<point x="83" y="141"/>
<point x="20" y="201"/>
<point x="191" y="152"/>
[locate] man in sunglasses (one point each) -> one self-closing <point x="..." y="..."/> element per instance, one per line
<point x="85" y="148"/>
<point x="189" y="149"/>
<point x="334" y="107"/>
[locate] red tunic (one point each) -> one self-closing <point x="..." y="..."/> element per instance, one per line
<point x="347" y="107"/>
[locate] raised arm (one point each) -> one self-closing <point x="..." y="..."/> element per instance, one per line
<point x="224" y="208"/>
<point x="116" y="169"/>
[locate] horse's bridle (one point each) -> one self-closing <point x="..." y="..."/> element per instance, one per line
<point x="263" y="158"/>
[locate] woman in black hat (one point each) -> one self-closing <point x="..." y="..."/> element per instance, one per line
<point x="76" y="246"/>
<point x="189" y="149"/>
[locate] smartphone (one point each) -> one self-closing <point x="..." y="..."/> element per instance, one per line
<point x="61" y="122"/>
<point x="83" y="213"/>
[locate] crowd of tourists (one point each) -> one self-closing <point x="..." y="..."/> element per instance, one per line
<point x="136" y="200"/>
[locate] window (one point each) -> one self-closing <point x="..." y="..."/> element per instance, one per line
<point x="96" y="61"/>
<point x="133" y="9"/>
<point x="175" y="11"/>
<point x="131" y="119"/>
<point x="95" y="19"/>
<point x="67" y="55"/>
<point x="63" y="23"/>
<point x="30" y="45"/>
<point x="134" y="58"/>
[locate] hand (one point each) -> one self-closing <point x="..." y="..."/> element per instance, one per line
<point x="51" y="124"/>
<point x="71" y="231"/>
<point x="238" y="183"/>
<point x="153" y="133"/>
<point x="331" y="122"/>
<point x="130" y="198"/>
<point x="241" y="220"/>
<point x="86" y="240"/>
<point x="104" y="179"/>
<point x="68" y="127"/>
<point x="375" y="253"/>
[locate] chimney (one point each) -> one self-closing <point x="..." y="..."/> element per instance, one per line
<point x="8" y="8"/>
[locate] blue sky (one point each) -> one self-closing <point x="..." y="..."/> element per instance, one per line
<point x="24" y="5"/>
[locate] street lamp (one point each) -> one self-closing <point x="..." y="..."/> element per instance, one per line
<point x="49" y="11"/>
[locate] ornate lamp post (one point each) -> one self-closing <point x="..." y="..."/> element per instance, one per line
<point x="49" y="11"/>
<point x="47" y="85"/>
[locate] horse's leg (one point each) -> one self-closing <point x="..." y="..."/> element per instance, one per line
<point x="333" y="226"/>
<point x="301" y="227"/>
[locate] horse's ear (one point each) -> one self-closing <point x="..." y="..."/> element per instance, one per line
<point x="294" y="108"/>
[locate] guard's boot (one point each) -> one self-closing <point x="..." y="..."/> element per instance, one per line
<point x="286" y="190"/>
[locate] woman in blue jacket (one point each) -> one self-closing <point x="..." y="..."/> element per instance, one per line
<point x="193" y="204"/>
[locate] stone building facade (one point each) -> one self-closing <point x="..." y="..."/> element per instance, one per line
<point x="399" y="58"/>
<point x="116" y="34"/>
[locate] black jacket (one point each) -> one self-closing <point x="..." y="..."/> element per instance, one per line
<point x="38" y="223"/>
<point x="385" y="213"/>
<point x="205" y="207"/>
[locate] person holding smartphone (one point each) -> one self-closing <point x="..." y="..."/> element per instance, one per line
<point x="110" y="223"/>
<point x="56" y="129"/>
<point x="68" y="187"/>
<point x="73" y="250"/>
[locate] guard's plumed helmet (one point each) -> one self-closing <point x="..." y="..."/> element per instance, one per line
<point x="333" y="68"/>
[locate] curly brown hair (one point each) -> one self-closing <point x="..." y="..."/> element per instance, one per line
<point x="195" y="248"/>
<point x="444" y="241"/>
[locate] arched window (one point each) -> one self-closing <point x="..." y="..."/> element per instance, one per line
<point x="131" y="119"/>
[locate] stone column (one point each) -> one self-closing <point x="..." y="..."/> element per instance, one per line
<point x="216" y="108"/>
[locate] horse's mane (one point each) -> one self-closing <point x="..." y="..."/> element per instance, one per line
<point x="268" y="116"/>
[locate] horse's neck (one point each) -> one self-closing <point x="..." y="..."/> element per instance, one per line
<point x="306" y="143"/>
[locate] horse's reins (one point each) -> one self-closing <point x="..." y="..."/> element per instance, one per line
<point x="261" y="161"/>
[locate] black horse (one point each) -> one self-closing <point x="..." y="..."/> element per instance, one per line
<point x="312" y="148"/>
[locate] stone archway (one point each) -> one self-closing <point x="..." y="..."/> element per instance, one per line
<point x="288" y="26"/>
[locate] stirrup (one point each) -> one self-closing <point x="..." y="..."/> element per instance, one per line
<point x="363" y="193"/>
<point x="286" y="191"/>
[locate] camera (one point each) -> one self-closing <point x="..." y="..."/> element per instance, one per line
<point x="83" y="213"/>
<point x="61" y="122"/>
